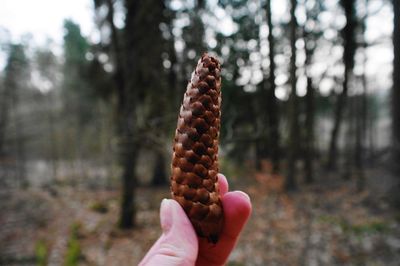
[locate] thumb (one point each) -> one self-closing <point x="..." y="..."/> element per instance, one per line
<point x="178" y="245"/>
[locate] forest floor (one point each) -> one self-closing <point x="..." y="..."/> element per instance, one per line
<point x="327" y="223"/>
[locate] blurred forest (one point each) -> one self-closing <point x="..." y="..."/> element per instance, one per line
<point x="310" y="130"/>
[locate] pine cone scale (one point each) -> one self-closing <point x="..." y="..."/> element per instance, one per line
<point x="194" y="181"/>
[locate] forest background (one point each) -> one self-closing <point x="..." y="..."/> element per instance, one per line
<point x="310" y="125"/>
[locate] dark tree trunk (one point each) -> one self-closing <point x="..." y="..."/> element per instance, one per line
<point x="159" y="173"/>
<point x="122" y="49"/>
<point x="396" y="89"/>
<point x="309" y="134"/>
<point x="350" y="140"/>
<point x="128" y="210"/>
<point x="4" y="112"/>
<point x="349" y="44"/>
<point x="362" y="113"/>
<point x="358" y="149"/>
<point x="291" y="183"/>
<point x="339" y="108"/>
<point x="127" y="125"/>
<point x="258" y="154"/>
<point x="272" y="102"/>
<point x="52" y="134"/>
<point x="310" y="113"/>
<point x="19" y="142"/>
<point x="118" y="51"/>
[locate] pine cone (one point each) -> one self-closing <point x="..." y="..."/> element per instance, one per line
<point x="194" y="181"/>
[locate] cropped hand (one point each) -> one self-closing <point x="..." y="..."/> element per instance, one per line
<point x="179" y="244"/>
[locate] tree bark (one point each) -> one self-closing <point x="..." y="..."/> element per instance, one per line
<point x="119" y="74"/>
<point x="349" y="141"/>
<point x="362" y="113"/>
<point x="396" y="89"/>
<point x="127" y="125"/>
<point x="291" y="183"/>
<point x="128" y="210"/>
<point x="349" y="45"/>
<point x="159" y="173"/>
<point x="359" y="140"/>
<point x="4" y="112"/>
<point x="19" y="141"/>
<point x="310" y="113"/>
<point x="122" y="50"/>
<point x="272" y="101"/>
<point x="309" y="137"/>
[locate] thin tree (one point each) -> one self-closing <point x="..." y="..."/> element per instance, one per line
<point x="272" y="101"/>
<point x="122" y="50"/>
<point x="4" y="113"/>
<point x="46" y="62"/>
<point x="127" y="118"/>
<point x="362" y="110"/>
<point x="293" y="148"/>
<point x="349" y="44"/>
<point x="310" y="37"/>
<point x="396" y="91"/>
<point x="310" y="115"/>
<point x="16" y="76"/>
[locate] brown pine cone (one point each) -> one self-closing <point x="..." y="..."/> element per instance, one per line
<point x="194" y="181"/>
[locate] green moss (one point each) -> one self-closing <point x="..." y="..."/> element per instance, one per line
<point x="234" y="263"/>
<point x="368" y="227"/>
<point x="73" y="253"/>
<point x="99" y="207"/>
<point x="41" y="253"/>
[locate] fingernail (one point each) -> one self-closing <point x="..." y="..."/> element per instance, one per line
<point x="166" y="216"/>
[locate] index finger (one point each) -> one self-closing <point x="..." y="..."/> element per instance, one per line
<point x="223" y="184"/>
<point x="237" y="209"/>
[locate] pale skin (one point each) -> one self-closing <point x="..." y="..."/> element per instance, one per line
<point x="179" y="244"/>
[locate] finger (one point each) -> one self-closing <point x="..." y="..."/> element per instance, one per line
<point x="178" y="244"/>
<point x="223" y="185"/>
<point x="237" y="210"/>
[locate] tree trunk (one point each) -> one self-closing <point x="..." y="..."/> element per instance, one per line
<point x="349" y="45"/>
<point x="362" y="113"/>
<point x="121" y="49"/>
<point x="127" y="125"/>
<point x="4" y="112"/>
<point x="291" y="183"/>
<point x="128" y="157"/>
<point x="310" y="113"/>
<point x="396" y="90"/>
<point x="349" y="141"/>
<point x="159" y="173"/>
<point x="19" y="142"/>
<point x="119" y="74"/>
<point x="272" y="101"/>
<point x="309" y="137"/>
<point x="358" y="149"/>
<point x="52" y="134"/>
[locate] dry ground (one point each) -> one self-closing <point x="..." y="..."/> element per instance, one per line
<point x="328" y="223"/>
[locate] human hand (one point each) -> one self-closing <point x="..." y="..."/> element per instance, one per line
<point x="179" y="244"/>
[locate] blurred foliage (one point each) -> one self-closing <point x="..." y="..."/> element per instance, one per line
<point x="76" y="121"/>
<point x="98" y="206"/>
<point x="73" y="253"/>
<point x="85" y="116"/>
<point x="41" y="252"/>
<point x="366" y="227"/>
<point x="67" y="106"/>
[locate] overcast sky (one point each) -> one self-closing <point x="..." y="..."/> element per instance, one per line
<point x="44" y="18"/>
